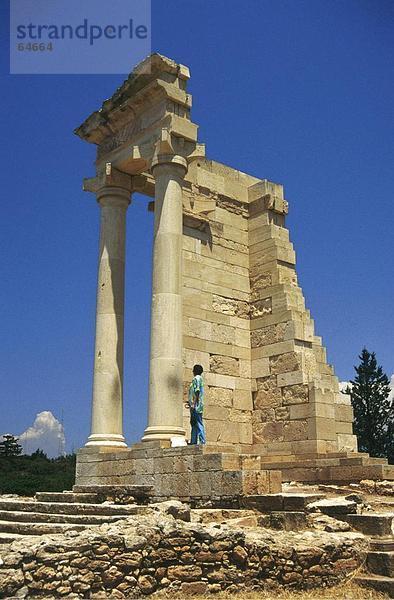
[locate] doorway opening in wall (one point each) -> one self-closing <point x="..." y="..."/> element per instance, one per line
<point x="138" y="289"/>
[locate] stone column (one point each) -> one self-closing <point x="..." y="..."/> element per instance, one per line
<point x="166" y="369"/>
<point x="107" y="406"/>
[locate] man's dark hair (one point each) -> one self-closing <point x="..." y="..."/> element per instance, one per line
<point x="197" y="370"/>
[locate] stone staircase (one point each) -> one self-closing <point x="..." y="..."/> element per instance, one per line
<point x="332" y="467"/>
<point x="51" y="512"/>
<point x="288" y="511"/>
<point x="380" y="566"/>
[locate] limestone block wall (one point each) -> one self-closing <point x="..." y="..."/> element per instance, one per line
<point x="186" y="473"/>
<point x="216" y="299"/>
<point x="297" y="407"/>
<point x="268" y="384"/>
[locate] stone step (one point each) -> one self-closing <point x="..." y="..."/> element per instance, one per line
<point x="380" y="583"/>
<point x="8" y="538"/>
<point x="381" y="563"/>
<point x="374" y="524"/>
<point x="294" y="458"/>
<point x="382" y="502"/>
<point x="220" y="515"/>
<point x="85" y="498"/>
<point x="40" y="517"/>
<point x="342" y="490"/>
<point x="151" y="445"/>
<point x="280" y="502"/>
<point x="38" y="528"/>
<point x="73" y="508"/>
<point x="300" y="463"/>
<point x="376" y="461"/>
<point x="336" y="473"/>
<point x="382" y="544"/>
<point x="334" y="506"/>
<point x="286" y="520"/>
<point x="361" y="461"/>
<point x="329" y="460"/>
<point x="115" y="491"/>
<point x="226" y="448"/>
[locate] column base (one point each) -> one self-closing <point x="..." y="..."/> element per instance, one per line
<point x="106" y="439"/>
<point x="162" y="432"/>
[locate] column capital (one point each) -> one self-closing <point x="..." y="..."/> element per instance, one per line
<point x="111" y="195"/>
<point x="171" y="160"/>
<point x="109" y="176"/>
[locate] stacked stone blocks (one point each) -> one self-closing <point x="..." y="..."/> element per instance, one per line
<point x="225" y="295"/>
<point x="268" y="383"/>
<point x="191" y="474"/>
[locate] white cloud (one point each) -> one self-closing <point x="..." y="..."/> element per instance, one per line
<point x="46" y="434"/>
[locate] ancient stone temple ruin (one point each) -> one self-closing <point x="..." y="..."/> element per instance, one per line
<point x="224" y="294"/>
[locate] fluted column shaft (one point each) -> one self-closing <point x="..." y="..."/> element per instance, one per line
<point x="166" y="371"/>
<point x="107" y="404"/>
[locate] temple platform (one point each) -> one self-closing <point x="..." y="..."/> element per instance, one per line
<point x="205" y="473"/>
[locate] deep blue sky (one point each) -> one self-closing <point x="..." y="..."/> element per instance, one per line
<point x="299" y="92"/>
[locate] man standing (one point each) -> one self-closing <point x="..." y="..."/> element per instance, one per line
<point x="196" y="406"/>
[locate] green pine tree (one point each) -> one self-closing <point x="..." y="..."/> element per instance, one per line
<point x="373" y="410"/>
<point x="9" y="446"/>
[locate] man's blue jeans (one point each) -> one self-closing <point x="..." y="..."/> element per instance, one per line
<point x="198" y="429"/>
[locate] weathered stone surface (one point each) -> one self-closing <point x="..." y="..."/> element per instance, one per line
<point x="295" y="394"/>
<point x="184" y="572"/>
<point x="177" y="509"/>
<point x="268" y="432"/>
<point x="334" y="507"/>
<point x="386" y="488"/>
<point x="147" y="584"/>
<point x="295" y="430"/>
<point x="223" y="333"/>
<point x="267" y="394"/>
<point x="195" y="588"/>
<point x="220" y="396"/>
<point x="238" y="416"/>
<point x="263" y="416"/>
<point x="282" y="413"/>
<point x="376" y="524"/>
<point x="229" y="306"/>
<point x="224" y="365"/>
<point x="327" y="523"/>
<point x="259" y="279"/>
<point x="258" y="308"/>
<point x="288" y="520"/>
<point x="283" y="363"/>
<point x="268" y="335"/>
<point x="243" y="400"/>
<point x="175" y="555"/>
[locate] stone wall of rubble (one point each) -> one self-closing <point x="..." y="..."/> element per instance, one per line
<point x="145" y="554"/>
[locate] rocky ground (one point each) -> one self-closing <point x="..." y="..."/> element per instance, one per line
<point x="171" y="551"/>
<point x="346" y="591"/>
<point x="160" y="552"/>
